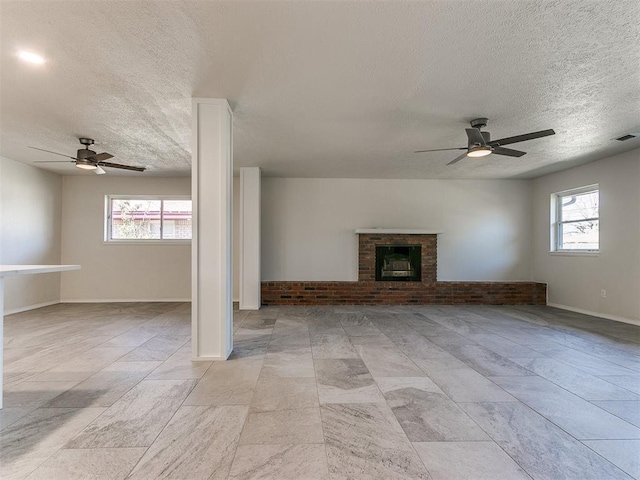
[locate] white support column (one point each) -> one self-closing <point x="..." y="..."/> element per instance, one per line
<point x="212" y="195"/>
<point x="1" y="339"/>
<point x="250" y="238"/>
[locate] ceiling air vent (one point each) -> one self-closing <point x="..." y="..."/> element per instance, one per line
<point x="628" y="136"/>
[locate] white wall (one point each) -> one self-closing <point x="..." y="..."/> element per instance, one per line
<point x="112" y="271"/>
<point x="308" y="225"/>
<point x="30" y="212"/>
<point x="576" y="281"/>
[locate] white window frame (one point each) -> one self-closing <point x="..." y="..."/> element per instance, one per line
<point x="556" y="221"/>
<point x="142" y="241"/>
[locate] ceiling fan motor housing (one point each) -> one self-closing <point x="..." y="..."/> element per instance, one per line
<point x="85" y="153"/>
<point x="479" y="123"/>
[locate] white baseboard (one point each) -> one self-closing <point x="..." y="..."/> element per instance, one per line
<point x="596" y="314"/>
<point x="206" y="358"/>
<point x="249" y="307"/>
<point x="122" y="300"/>
<point x="31" y="307"/>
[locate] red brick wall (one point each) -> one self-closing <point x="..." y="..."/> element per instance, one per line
<point x="366" y="291"/>
<point x="403" y="293"/>
<point x="367" y="253"/>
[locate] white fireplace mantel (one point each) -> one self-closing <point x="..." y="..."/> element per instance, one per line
<point x="398" y="231"/>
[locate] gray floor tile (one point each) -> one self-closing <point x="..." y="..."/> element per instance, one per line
<point x="332" y="346"/>
<point x="179" y="366"/>
<point x="289" y="361"/>
<point x="227" y="383"/>
<point x="574" y="380"/>
<point x="624" y="454"/>
<point x="274" y="394"/>
<point x="346" y="381"/>
<point x="468" y="461"/>
<point x="282" y="462"/>
<point x="290" y="338"/>
<point x="136" y="419"/>
<point x="198" y="443"/>
<point x="463" y="384"/>
<point x="9" y="415"/>
<point x="134" y="337"/>
<point x="33" y="394"/>
<point x="588" y="384"/>
<point x="447" y="339"/>
<point x="426" y="414"/>
<point x="576" y="416"/>
<point x="486" y="362"/>
<point x="459" y="326"/>
<point x="584" y="361"/>
<point x="31" y="440"/>
<point x="628" y="411"/>
<point x="84" y="365"/>
<point x="388" y="362"/>
<point x="100" y="390"/>
<point x="96" y="464"/>
<point x="417" y="346"/>
<point x="283" y="427"/>
<point x="366" y="441"/>
<point x="503" y="346"/>
<point x="628" y="382"/>
<point x="538" y="446"/>
<point x="159" y="347"/>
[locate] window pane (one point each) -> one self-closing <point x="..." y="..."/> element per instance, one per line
<point x="177" y="219"/>
<point x="580" y="206"/>
<point x="579" y="236"/>
<point x="135" y="219"/>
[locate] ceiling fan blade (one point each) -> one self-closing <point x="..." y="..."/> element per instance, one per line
<point x="56" y="161"/>
<point x="475" y="136"/>
<point x="101" y="156"/>
<point x="440" y="150"/>
<point x="122" y="167"/>
<point x="508" y="152"/>
<point x="55" y="153"/>
<point x="522" y="138"/>
<point x="457" y="159"/>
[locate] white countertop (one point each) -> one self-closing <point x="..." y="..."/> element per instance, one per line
<point x="398" y="231"/>
<point x="12" y="270"/>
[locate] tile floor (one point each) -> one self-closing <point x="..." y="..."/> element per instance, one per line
<point x="108" y="391"/>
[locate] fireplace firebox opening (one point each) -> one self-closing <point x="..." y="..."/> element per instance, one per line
<point x="398" y="263"/>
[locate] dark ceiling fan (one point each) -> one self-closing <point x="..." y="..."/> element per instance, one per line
<point x="90" y="160"/>
<point x="480" y="143"/>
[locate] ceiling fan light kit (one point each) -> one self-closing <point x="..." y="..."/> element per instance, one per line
<point x="479" y="151"/>
<point x="85" y="165"/>
<point x="480" y="143"/>
<point x="86" y="159"/>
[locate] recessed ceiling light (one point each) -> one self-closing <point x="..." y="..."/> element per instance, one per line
<point x="31" y="57"/>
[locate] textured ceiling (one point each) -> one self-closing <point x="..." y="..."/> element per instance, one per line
<point x="324" y="89"/>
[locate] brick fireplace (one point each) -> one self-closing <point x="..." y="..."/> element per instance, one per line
<point x="368" y="291"/>
<point x="367" y="243"/>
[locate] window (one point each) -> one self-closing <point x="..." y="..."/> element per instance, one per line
<point x="576" y="222"/>
<point x="146" y="218"/>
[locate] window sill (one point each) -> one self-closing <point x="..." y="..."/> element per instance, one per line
<point x="147" y="242"/>
<point x="577" y="253"/>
